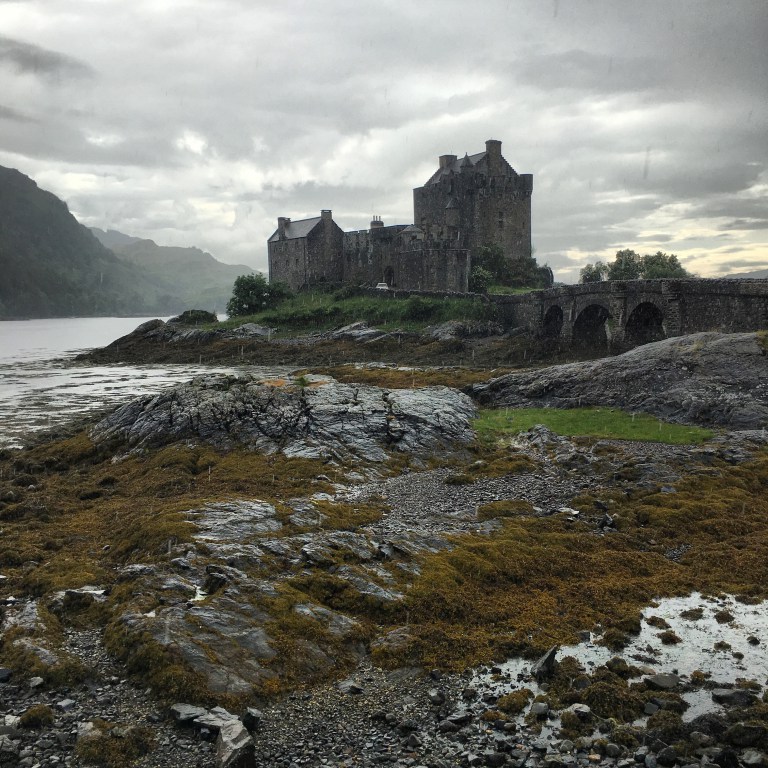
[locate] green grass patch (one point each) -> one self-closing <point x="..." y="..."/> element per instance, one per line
<point x="608" y="423"/>
<point x="317" y="311"/>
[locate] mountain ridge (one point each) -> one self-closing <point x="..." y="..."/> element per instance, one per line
<point x="54" y="266"/>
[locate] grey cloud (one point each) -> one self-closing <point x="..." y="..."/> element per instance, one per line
<point x="6" y="113"/>
<point x="30" y="58"/>
<point x="746" y="224"/>
<point x="595" y="72"/>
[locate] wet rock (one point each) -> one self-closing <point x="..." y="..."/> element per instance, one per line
<point x="215" y="719"/>
<point x="350" y="687"/>
<point x="663" y="682"/>
<point x="186" y="713"/>
<point x="734" y="697"/>
<point x="546" y="665"/>
<point x="250" y="331"/>
<point x="321" y="418"/>
<point x="746" y="734"/>
<point x="753" y="758"/>
<point x="251" y="718"/>
<point x="234" y="746"/>
<point x="705" y="377"/>
<point x="667" y="757"/>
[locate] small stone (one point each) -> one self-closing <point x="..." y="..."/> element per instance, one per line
<point x="539" y="709"/>
<point x="446" y="726"/>
<point x="612" y="750"/>
<point x="35" y="682"/>
<point x="65" y="705"/>
<point x="662" y="682"/>
<point x="251" y="718"/>
<point x="436" y="697"/>
<point x="186" y="713"/>
<point x="667" y="757"/>
<point x="350" y="687"/>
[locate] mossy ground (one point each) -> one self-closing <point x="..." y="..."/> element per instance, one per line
<point x="538" y="582"/>
<point x="77" y="515"/>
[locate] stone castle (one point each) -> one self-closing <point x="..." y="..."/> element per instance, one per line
<point x="467" y="203"/>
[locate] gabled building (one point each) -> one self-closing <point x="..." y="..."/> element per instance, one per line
<point x="306" y="252"/>
<point x="467" y="203"/>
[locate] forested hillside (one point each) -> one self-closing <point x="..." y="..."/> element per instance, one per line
<point x="195" y="276"/>
<point x="53" y="266"/>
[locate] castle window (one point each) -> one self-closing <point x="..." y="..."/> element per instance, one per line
<point x="501" y="219"/>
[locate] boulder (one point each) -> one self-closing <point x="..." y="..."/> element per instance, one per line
<point x="708" y="378"/>
<point x="234" y="746"/>
<point x="310" y="417"/>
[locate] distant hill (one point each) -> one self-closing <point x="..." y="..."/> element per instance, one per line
<point x="112" y="238"/>
<point x="194" y="276"/>
<point x="52" y="266"/>
<point x="758" y="274"/>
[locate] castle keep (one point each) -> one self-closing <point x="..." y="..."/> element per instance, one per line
<point x="467" y="203"/>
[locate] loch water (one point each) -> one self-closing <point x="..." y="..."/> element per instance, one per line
<point x="42" y="386"/>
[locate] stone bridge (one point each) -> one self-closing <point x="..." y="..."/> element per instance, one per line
<point x="623" y="314"/>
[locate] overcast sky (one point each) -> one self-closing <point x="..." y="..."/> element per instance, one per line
<point x="643" y="122"/>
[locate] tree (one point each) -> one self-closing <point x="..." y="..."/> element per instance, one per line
<point x="626" y="266"/>
<point x="480" y="280"/>
<point x="593" y="273"/>
<point x="662" y="265"/>
<point x="252" y="294"/>
<point x="522" y="272"/>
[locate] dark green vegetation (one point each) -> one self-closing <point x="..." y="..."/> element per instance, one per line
<point x="608" y="423"/>
<point x="318" y="310"/>
<point x="252" y="294"/>
<point x="53" y="266"/>
<point x="188" y="276"/>
<point x="630" y="265"/>
<point x="491" y="270"/>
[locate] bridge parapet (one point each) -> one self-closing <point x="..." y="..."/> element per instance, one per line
<point x="627" y="311"/>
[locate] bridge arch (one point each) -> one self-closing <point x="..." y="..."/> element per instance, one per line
<point x="553" y="321"/>
<point x="590" y="328"/>
<point x="645" y="323"/>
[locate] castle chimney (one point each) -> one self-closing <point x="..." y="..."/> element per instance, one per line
<point x="376" y="222"/>
<point x="493" y="152"/>
<point x="282" y="222"/>
<point x="446" y="160"/>
<point x="326" y="215"/>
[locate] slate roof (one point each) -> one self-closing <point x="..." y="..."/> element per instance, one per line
<point x="296" y="229"/>
<point x="457" y="166"/>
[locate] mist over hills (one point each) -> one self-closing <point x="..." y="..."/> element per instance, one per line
<point x="53" y="266"/>
<point x="195" y="276"/>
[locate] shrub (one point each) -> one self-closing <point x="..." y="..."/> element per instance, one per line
<point x="37" y="716"/>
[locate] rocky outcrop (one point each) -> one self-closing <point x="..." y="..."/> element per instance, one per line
<point x="310" y="417"/>
<point x="705" y="378"/>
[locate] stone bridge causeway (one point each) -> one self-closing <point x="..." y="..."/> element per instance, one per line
<point x="623" y="314"/>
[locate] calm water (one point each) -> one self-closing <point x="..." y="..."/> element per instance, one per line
<point x="41" y="386"/>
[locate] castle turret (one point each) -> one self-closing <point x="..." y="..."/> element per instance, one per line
<point x="493" y="152"/>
